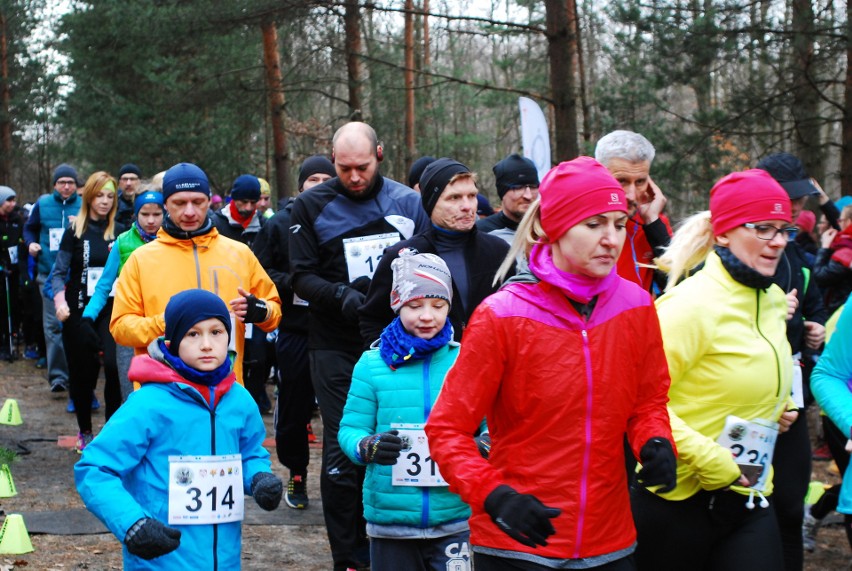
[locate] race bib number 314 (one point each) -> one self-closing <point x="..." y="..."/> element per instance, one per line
<point x="205" y="489"/>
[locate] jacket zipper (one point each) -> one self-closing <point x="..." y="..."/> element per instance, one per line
<point x="212" y="409"/>
<point x="587" y="449"/>
<point x="197" y="263"/>
<point x="774" y="351"/>
<point x="427" y="409"/>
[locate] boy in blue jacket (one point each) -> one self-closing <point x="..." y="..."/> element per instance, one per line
<point x="413" y="520"/>
<point x="168" y="473"/>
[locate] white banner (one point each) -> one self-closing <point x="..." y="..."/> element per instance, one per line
<point x="534" y="135"/>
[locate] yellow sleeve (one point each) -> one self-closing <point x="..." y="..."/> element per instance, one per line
<point x="129" y="324"/>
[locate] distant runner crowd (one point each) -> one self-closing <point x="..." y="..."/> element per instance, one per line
<point x="560" y="383"/>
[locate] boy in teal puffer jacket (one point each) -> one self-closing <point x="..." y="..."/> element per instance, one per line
<point x="413" y="520"/>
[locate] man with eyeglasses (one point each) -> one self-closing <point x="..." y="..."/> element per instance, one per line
<point x="628" y="157"/>
<point x="49" y="218"/>
<point x="517" y="186"/>
<point x="129" y="176"/>
<point x="806" y="333"/>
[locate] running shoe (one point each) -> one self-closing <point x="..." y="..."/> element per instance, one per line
<point x="297" y="493"/>
<point x="41" y="364"/>
<point x="810" y="527"/>
<point x="70" y="407"/>
<point x="58" y="386"/>
<point x="96" y="404"/>
<point x="311" y="436"/>
<point x="83" y="440"/>
<point x="822" y="454"/>
<point x="31" y="353"/>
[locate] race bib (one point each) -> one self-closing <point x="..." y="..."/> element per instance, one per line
<point x="299" y="301"/>
<point x="55" y="238"/>
<point x="93" y="275"/>
<point x="798" y="391"/>
<point x="362" y="254"/>
<point x="205" y="489"/>
<point x="415" y="466"/>
<point x="13" y="255"/>
<point x="751" y="442"/>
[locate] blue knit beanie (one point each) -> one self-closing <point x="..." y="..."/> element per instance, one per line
<point x="246" y="187"/>
<point x="147" y="197"/>
<point x="63" y="171"/>
<point x="185" y="177"/>
<point x="189" y="307"/>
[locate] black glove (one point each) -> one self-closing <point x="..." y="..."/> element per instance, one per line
<point x="149" y="538"/>
<point x="381" y="448"/>
<point x="483" y="442"/>
<point x="267" y="489"/>
<point x="89" y="337"/>
<point x="361" y="284"/>
<point x="659" y="466"/>
<point x="350" y="300"/>
<point x="521" y="516"/>
<point x="256" y="310"/>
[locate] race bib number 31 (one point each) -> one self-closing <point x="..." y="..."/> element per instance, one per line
<point x="415" y="466"/>
<point x="205" y="489"/>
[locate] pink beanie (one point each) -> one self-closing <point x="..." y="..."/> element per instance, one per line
<point x="576" y="190"/>
<point x="747" y="196"/>
<point x="806" y="221"/>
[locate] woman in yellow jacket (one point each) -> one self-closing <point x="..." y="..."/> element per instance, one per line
<point x="724" y="335"/>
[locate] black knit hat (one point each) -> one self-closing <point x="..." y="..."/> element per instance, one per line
<point x="417" y="168"/>
<point x="514" y="170"/>
<point x="317" y="164"/>
<point x="129" y="168"/>
<point x="435" y="179"/>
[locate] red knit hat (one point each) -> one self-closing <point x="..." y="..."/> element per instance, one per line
<point x="806" y="221"/>
<point x="575" y="190"/>
<point x="747" y="196"/>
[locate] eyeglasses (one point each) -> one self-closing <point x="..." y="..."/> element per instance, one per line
<point x="768" y="231"/>
<point x="523" y="188"/>
<point x="66" y="183"/>
<point x="128" y="178"/>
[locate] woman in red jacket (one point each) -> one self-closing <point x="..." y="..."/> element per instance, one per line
<point x="562" y="364"/>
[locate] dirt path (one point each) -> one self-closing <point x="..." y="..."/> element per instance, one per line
<point x="44" y="482"/>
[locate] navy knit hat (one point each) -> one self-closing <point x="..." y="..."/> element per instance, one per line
<point x="514" y="170"/>
<point x="435" y="179"/>
<point x="317" y="164"/>
<point x="147" y="197"/>
<point x="417" y="168"/>
<point x="185" y="177"/>
<point x="246" y="187"/>
<point x="64" y="171"/>
<point x="129" y="168"/>
<point x="189" y="307"/>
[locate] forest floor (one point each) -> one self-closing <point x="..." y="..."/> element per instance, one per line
<point x="64" y="536"/>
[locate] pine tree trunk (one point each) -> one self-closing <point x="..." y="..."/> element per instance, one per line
<point x="409" y="84"/>
<point x="805" y="95"/>
<point x="274" y="87"/>
<point x="846" y="152"/>
<point x="561" y="45"/>
<point x="6" y="119"/>
<point x="352" y="48"/>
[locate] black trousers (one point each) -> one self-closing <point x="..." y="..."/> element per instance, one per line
<point x="84" y="365"/>
<point x="792" y="465"/>
<point x="711" y="531"/>
<point x="836" y="441"/>
<point x="256" y="365"/>
<point x="341" y="481"/>
<point x="295" y="403"/>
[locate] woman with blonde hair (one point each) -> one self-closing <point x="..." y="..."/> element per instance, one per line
<point x="79" y="264"/>
<point x="725" y="337"/>
<point x="562" y="362"/>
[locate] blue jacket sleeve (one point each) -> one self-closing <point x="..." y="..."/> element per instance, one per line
<point x="830" y="381"/>
<point x="32" y="226"/>
<point x="104" y="287"/>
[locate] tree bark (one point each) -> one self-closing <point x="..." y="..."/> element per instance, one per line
<point x="574" y="22"/>
<point x="561" y="40"/>
<point x="352" y="49"/>
<point x="409" y="84"/>
<point x="275" y="90"/>
<point x="6" y="119"/>
<point x="805" y="96"/>
<point x="846" y="149"/>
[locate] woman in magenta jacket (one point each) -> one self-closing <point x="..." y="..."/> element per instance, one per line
<point x="562" y="364"/>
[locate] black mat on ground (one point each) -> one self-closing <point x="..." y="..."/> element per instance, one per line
<point x="80" y="522"/>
